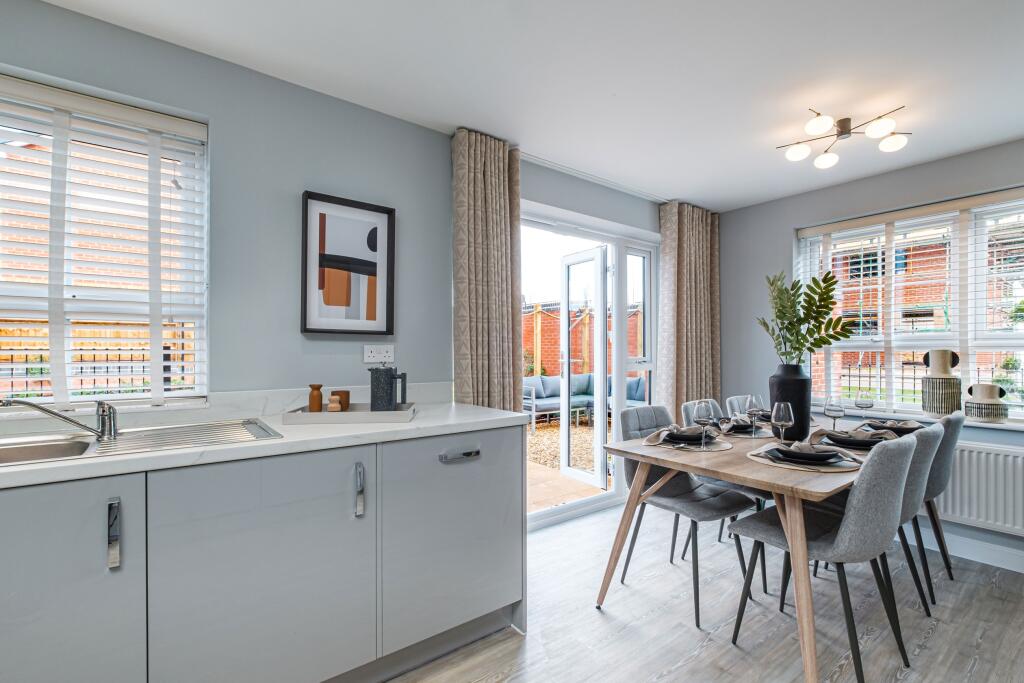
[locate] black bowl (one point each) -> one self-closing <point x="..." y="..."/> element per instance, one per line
<point x="898" y="431"/>
<point x="815" y="457"/>
<point x="847" y="442"/>
<point x="672" y="437"/>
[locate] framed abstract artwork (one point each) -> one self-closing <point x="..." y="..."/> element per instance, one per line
<point x="348" y="266"/>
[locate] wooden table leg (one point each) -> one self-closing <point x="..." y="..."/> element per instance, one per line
<point x="632" y="501"/>
<point x="796" y="534"/>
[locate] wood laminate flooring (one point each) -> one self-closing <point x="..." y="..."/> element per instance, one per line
<point x="645" y="631"/>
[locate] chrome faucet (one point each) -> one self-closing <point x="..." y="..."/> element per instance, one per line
<point x="106" y="417"/>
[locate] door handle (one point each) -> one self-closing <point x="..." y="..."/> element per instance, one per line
<point x="451" y="458"/>
<point x="113" y="533"/>
<point x="360" y="490"/>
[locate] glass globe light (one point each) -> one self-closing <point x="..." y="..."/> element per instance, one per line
<point x="879" y="128"/>
<point x="798" y="152"/>
<point x="819" y="124"/>
<point x="826" y="160"/>
<point x="892" y="143"/>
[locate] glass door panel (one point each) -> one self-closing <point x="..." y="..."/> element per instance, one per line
<point x="584" y="369"/>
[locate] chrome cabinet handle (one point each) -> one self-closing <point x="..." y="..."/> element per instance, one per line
<point x="113" y="533"/>
<point x="452" y="458"/>
<point x="360" y="490"/>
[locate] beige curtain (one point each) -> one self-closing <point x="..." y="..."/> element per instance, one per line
<point x="487" y="317"/>
<point x="689" y="361"/>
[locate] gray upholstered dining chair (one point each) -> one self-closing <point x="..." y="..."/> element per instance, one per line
<point x="862" y="534"/>
<point x="682" y="495"/>
<point x="913" y="496"/>
<point x="938" y="480"/>
<point x="686" y="412"/>
<point x="736" y="404"/>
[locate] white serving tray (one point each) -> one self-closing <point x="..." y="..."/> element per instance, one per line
<point x="357" y="413"/>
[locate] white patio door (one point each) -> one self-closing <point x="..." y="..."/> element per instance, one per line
<point x="583" y="348"/>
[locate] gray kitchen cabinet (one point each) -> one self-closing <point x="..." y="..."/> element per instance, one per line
<point x="451" y="531"/>
<point x="264" y="569"/>
<point x="73" y="581"/>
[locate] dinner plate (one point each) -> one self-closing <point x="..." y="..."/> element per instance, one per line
<point x="799" y="460"/>
<point x="688" y="438"/>
<point x="738" y="428"/>
<point x="817" y="456"/>
<point x="899" y="431"/>
<point x="847" y="442"/>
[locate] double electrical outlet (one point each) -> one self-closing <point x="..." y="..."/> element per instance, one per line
<point x="378" y="353"/>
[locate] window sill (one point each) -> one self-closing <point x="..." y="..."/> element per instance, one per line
<point x="18" y="413"/>
<point x="1011" y="425"/>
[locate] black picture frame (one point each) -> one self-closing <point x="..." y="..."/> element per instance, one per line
<point x="389" y="306"/>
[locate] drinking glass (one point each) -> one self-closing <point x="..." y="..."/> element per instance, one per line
<point x="753" y="407"/>
<point x="834" y="409"/>
<point x="782" y="418"/>
<point x="703" y="416"/>
<point x="865" y="399"/>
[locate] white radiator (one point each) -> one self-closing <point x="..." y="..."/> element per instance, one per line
<point x="987" y="488"/>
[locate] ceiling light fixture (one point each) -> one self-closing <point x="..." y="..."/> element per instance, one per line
<point x="823" y="127"/>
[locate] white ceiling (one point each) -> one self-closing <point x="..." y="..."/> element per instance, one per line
<point x="675" y="98"/>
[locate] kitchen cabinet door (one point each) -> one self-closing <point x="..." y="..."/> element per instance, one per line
<point x="452" y="531"/>
<point x="73" y="581"/>
<point x="264" y="569"/>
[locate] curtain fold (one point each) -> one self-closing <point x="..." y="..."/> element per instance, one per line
<point x="689" y="348"/>
<point x="487" y="320"/>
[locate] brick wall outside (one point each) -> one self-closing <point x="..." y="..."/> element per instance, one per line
<point x="542" y="358"/>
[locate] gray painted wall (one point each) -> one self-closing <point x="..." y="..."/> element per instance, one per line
<point x="269" y="141"/>
<point x="551" y="187"/>
<point x="759" y="240"/>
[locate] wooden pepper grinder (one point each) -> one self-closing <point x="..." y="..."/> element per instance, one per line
<point x="316" y="398"/>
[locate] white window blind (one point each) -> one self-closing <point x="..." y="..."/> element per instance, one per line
<point x="951" y="278"/>
<point x="103" y="231"/>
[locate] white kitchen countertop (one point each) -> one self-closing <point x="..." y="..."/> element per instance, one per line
<point x="432" y="419"/>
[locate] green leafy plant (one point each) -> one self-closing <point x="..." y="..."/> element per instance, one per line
<point x="1010" y="363"/>
<point x="802" y="320"/>
<point x="1017" y="314"/>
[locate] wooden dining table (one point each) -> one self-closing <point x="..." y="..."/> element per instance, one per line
<point x="789" y="488"/>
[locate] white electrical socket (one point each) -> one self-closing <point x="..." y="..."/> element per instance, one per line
<point x="378" y="353"/>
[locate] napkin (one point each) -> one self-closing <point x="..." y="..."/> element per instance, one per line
<point x="813" y="445"/>
<point x="726" y="425"/>
<point x="655" y="438"/>
<point x="905" y="424"/>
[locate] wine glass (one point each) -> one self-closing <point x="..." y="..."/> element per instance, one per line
<point x="782" y="418"/>
<point x="703" y="416"/>
<point x="834" y="409"/>
<point x="865" y="399"/>
<point x="753" y="406"/>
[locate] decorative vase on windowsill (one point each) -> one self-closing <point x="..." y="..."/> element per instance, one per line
<point x="801" y="323"/>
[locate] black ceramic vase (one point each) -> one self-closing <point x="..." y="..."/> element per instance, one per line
<point x="789" y="384"/>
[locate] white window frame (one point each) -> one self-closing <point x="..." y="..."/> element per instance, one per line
<point x="64" y="103"/>
<point x="968" y="335"/>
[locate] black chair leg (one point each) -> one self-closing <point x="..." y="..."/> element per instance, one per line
<point x="851" y="628"/>
<point x="787" y="569"/>
<point x="739" y="555"/>
<point x="940" y="537"/>
<point x="815" y="572"/>
<point x="686" y="544"/>
<point x="696" y="575"/>
<point x="747" y="580"/>
<point x="675" y="532"/>
<point x="912" y="566"/>
<point x="889" y="602"/>
<point x="924" y="558"/>
<point x="721" y="528"/>
<point x="632" y="541"/>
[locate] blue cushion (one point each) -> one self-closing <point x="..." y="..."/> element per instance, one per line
<point x="635" y="389"/>
<point x="536" y="383"/>
<point x="581" y="384"/>
<point x="581" y="401"/>
<point x="552" y="385"/>
<point x="548" y="404"/>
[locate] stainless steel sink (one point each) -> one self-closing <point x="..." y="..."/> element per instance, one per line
<point x="27" y="449"/>
<point x="49" y="447"/>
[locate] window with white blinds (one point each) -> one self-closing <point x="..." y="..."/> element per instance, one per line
<point x="103" y="233"/>
<point x="949" y="276"/>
